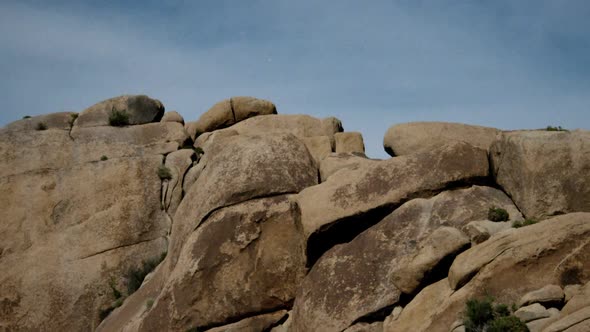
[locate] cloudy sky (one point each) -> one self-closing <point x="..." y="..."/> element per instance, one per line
<point x="502" y="63"/>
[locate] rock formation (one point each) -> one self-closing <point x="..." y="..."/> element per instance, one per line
<point x="126" y="218"/>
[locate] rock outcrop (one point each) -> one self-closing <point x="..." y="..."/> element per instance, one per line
<point x="124" y="218"/>
<point x="545" y="172"/>
<point x="416" y="137"/>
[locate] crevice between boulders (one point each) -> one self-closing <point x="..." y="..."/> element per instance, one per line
<point x="496" y="185"/>
<point x="278" y="323"/>
<point x="118" y="247"/>
<point x="346" y="229"/>
<point x="233" y="112"/>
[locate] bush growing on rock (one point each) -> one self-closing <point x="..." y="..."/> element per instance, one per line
<point x="118" y="118"/>
<point x="484" y="316"/>
<point x="518" y="223"/>
<point x="498" y="214"/>
<point x="41" y="126"/>
<point x="164" y="173"/>
<point x="136" y="275"/>
<point x="558" y="128"/>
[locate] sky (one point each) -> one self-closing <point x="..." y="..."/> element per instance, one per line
<point x="372" y="64"/>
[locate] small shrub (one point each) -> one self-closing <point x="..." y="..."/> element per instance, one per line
<point x="41" y="126"/>
<point x="198" y="150"/>
<point x="73" y="118"/>
<point x="527" y="222"/>
<point x="104" y="158"/>
<point x="149" y="304"/>
<point x="507" y="324"/>
<point x="477" y="314"/>
<point x="164" y="173"/>
<point x="498" y="214"/>
<point x="26" y="117"/>
<point x="558" y="128"/>
<point x="135" y="276"/>
<point x="118" y="118"/>
<point x="116" y="293"/>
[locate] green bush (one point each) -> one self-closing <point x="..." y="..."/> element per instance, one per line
<point x="73" y="118"/>
<point x="527" y="222"/>
<point x="136" y="275"/>
<point x="558" y="128"/>
<point x="104" y="158"/>
<point x="26" y="117"/>
<point x="41" y="126"/>
<point x="198" y="150"/>
<point x="149" y="304"/>
<point x="164" y="173"/>
<point x="484" y="316"/>
<point x="498" y="214"/>
<point x="118" y="118"/>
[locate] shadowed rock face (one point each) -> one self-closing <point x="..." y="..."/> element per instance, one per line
<point x="141" y="109"/>
<point x="546" y="173"/>
<point x="356" y="279"/>
<point x="417" y="137"/>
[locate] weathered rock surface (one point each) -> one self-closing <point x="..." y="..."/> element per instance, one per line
<point x="319" y="147"/>
<point x="442" y="243"/>
<point x="532" y="312"/>
<point x="547" y="294"/>
<point x="578" y="321"/>
<point x="253" y="324"/>
<point x="416" y="137"/>
<point x="61" y="120"/>
<point x="389" y="183"/>
<point x="140" y="109"/>
<point x="228" y="112"/>
<point x="244" y="259"/>
<point x="334" y="162"/>
<point x="173" y="117"/>
<point x="349" y="142"/>
<point x="530" y="255"/>
<point x="177" y="162"/>
<point x="366" y="327"/>
<point x="354" y="279"/>
<point x="67" y="232"/>
<point x="546" y="173"/>
<point x="481" y="230"/>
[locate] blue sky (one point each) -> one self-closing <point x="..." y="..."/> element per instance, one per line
<point x="372" y="64"/>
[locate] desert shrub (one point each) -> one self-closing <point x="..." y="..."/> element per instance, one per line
<point x="484" y="316"/>
<point x="507" y="324"/>
<point x="26" y="117"/>
<point x="149" y="304"/>
<point x="498" y="214"/>
<point x="105" y="312"/>
<point x="73" y="118"/>
<point x="41" y="126"/>
<point x="104" y="158"/>
<point x="136" y="275"/>
<point x="198" y="150"/>
<point x="164" y="173"/>
<point x="558" y="128"/>
<point x="527" y="222"/>
<point x="118" y="118"/>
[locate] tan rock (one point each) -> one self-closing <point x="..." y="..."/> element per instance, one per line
<point x="366" y="327"/>
<point x="577" y="321"/>
<point x="353" y="280"/>
<point x="228" y="112"/>
<point x="539" y="324"/>
<point x="253" y="324"/>
<point x="334" y="162"/>
<point x="530" y="166"/>
<point x="348" y="142"/>
<point x="517" y="257"/>
<point x="284" y="327"/>
<point x="62" y="120"/>
<point x="246" y="258"/>
<point x="532" y="312"/>
<point x="570" y="291"/>
<point x="481" y="230"/>
<point x="547" y="294"/>
<point x="416" y="137"/>
<point x="172" y="116"/>
<point x="141" y="109"/>
<point x="410" y="270"/>
<point x="387" y="183"/>
<point x="578" y="301"/>
<point x="177" y="163"/>
<point x="319" y="147"/>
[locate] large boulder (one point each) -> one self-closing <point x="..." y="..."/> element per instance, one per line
<point x="247" y="258"/>
<point x="173" y="117"/>
<point x="334" y="162"/>
<point x="507" y="266"/>
<point x="228" y="112"/>
<point x="416" y="137"/>
<point x="380" y="186"/>
<point x="545" y="172"/>
<point x="177" y="164"/>
<point x="70" y="235"/>
<point x="355" y="279"/>
<point x="349" y="142"/>
<point x="140" y="109"/>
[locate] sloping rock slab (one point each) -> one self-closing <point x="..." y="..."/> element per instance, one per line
<point x="416" y="137"/>
<point x="245" y="259"/>
<point x="61" y="120"/>
<point x="354" y="279"/>
<point x="140" y="109"/>
<point x="253" y="324"/>
<point x="546" y="173"/>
